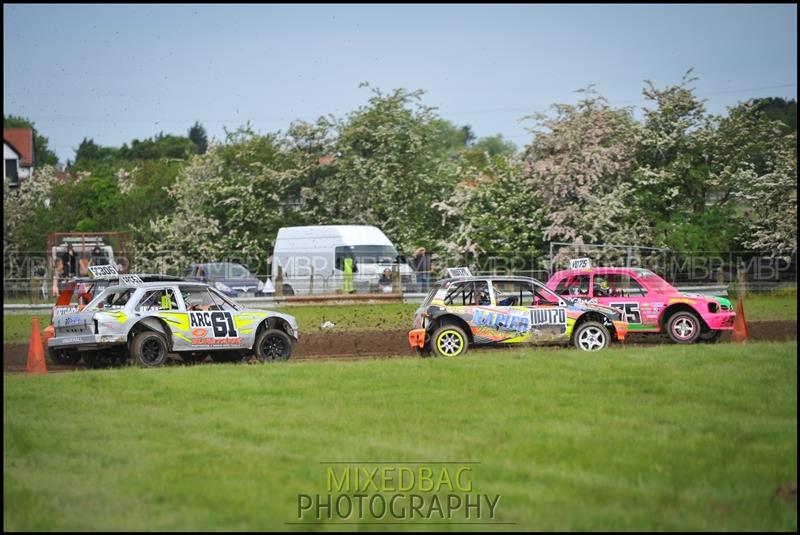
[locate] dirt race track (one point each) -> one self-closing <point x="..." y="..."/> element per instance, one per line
<point x="351" y="345"/>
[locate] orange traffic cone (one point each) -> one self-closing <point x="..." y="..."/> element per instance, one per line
<point x="36" y="364"/>
<point x="740" y="331"/>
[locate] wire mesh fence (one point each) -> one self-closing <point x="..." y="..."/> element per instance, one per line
<point x="39" y="276"/>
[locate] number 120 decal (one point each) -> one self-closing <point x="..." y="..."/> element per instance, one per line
<point x="631" y="311"/>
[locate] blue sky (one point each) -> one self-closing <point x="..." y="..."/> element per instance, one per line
<point x="114" y="73"/>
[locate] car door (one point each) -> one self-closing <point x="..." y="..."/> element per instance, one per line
<point x="213" y="324"/>
<point x="622" y="291"/>
<point x="528" y="311"/>
<point x="164" y="303"/>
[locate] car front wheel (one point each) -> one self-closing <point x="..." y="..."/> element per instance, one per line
<point x="591" y="336"/>
<point x="149" y="349"/>
<point x="449" y="341"/>
<point x="684" y="327"/>
<point x="272" y="345"/>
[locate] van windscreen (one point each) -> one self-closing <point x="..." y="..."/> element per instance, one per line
<point x="367" y="254"/>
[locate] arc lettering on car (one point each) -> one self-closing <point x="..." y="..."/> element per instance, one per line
<point x="221" y="323"/>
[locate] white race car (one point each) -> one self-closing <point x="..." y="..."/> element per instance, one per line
<point x="146" y="321"/>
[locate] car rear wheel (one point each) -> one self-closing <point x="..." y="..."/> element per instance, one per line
<point x="591" y="336"/>
<point x="684" y="327"/>
<point x="449" y="341"/>
<point x="272" y="345"/>
<point x="149" y="348"/>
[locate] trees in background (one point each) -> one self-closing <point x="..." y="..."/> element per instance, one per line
<point x="677" y="178"/>
<point x="197" y="135"/>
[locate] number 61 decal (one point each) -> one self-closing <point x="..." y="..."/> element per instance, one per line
<point x="631" y="311"/>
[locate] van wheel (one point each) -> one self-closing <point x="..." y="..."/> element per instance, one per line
<point x="449" y="341"/>
<point x="288" y="290"/>
<point x="272" y="345"/>
<point x="149" y="349"/>
<point x="683" y="327"/>
<point x="591" y="336"/>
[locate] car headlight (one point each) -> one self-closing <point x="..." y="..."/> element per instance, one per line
<point x="221" y="286"/>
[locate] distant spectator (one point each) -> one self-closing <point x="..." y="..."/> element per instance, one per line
<point x="70" y="262"/>
<point x="385" y="282"/>
<point x="98" y="258"/>
<point x="421" y="263"/>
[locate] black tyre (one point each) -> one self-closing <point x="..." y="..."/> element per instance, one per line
<point x="684" y="327"/>
<point x="710" y="337"/>
<point x="63" y="356"/>
<point x="449" y="341"/>
<point x="149" y="349"/>
<point x="288" y="290"/>
<point x="272" y="345"/>
<point x="591" y="336"/>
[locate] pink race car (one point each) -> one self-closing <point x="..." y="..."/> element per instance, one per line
<point x="650" y="303"/>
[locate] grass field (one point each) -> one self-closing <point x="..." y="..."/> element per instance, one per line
<point x="657" y="438"/>
<point x="759" y="307"/>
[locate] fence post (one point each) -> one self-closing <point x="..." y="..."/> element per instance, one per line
<point x="279" y="282"/>
<point x="396" y="279"/>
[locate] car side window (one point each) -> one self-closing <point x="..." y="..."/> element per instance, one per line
<point x="117" y="300"/>
<point x="459" y="295"/>
<point x="513" y="293"/>
<point x="198" y="298"/>
<point x="617" y="285"/>
<point x="155" y="300"/>
<point x="543" y="297"/>
<point x="574" y="285"/>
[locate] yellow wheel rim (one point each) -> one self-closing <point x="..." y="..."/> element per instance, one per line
<point x="450" y="343"/>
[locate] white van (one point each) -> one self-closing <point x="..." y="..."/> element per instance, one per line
<point x="311" y="259"/>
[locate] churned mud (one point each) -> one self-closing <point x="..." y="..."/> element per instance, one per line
<point x="350" y="345"/>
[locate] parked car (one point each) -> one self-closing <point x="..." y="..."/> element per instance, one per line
<point x="462" y="312"/>
<point x="650" y="304"/>
<point x="149" y="320"/>
<point x="230" y="278"/>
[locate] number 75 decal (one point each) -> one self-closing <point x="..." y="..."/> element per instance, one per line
<point x="631" y="311"/>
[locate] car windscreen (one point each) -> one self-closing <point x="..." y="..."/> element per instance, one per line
<point x="228" y="271"/>
<point x="656" y="283"/>
<point x="430" y="295"/>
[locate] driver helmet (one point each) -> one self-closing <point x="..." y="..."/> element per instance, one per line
<point x="604" y="287"/>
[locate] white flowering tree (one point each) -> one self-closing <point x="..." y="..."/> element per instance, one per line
<point x="492" y="212"/>
<point x="579" y="167"/>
